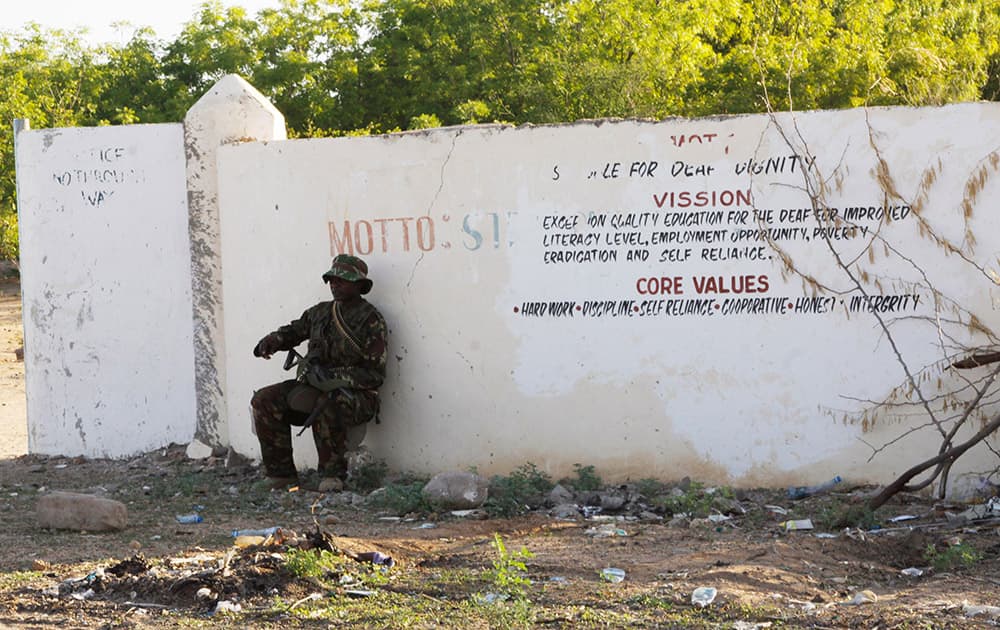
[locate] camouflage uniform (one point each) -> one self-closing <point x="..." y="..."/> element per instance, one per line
<point x="345" y="372"/>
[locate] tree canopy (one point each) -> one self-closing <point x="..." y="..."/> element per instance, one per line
<point x="338" y="67"/>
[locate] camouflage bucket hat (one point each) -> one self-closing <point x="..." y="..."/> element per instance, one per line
<point x="349" y="268"/>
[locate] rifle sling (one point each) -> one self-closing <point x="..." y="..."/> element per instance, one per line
<point x="338" y="321"/>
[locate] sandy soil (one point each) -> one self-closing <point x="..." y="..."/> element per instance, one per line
<point x="13" y="416"/>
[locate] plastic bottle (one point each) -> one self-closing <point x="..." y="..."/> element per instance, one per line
<point x="188" y="519"/>
<point x="703" y="596"/>
<point x="377" y="558"/>
<point x="613" y="575"/>
<point x="801" y="492"/>
<point x="270" y="531"/>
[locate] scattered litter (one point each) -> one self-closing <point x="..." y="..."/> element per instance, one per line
<point x="188" y="519"/>
<point x="824" y="535"/>
<point x="989" y="509"/>
<point x="862" y="597"/>
<point x="605" y="531"/>
<point x="719" y="518"/>
<point x="359" y="592"/>
<point x="474" y="513"/>
<point x="801" y="492"/>
<point x="308" y="598"/>
<point x="83" y="595"/>
<point x="347" y="579"/>
<point x="226" y="606"/>
<point x="993" y="612"/>
<point x="390" y="519"/>
<point x="558" y="579"/>
<point x="607" y="518"/>
<point x="425" y="526"/>
<point x="204" y="593"/>
<point x="747" y="625"/>
<point x="802" y="523"/>
<point x="901" y="518"/>
<point x="613" y="575"/>
<point x="377" y="558"/>
<point x="270" y="531"/>
<point x="60" y="466"/>
<point x="703" y="596"/>
<point x="490" y="598"/>
<point x="777" y="509"/>
<point x="912" y="572"/>
<point x="590" y="510"/>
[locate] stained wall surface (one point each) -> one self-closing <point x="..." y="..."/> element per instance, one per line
<point x="690" y="297"/>
<point x="106" y="286"/>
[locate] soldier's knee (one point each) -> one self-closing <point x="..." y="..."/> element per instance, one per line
<point x="257" y="400"/>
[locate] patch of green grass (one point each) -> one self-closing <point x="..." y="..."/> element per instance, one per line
<point x="835" y="514"/>
<point x="958" y="556"/>
<point x="516" y="613"/>
<point x="649" y="487"/>
<point x="646" y="601"/>
<point x="368" y="477"/>
<point x="312" y="563"/>
<point x="517" y="492"/>
<point x="18" y="579"/>
<point x="586" y="480"/>
<point x="697" y="501"/>
<point x="403" y="496"/>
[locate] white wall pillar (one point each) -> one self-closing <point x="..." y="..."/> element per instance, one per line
<point x="106" y="289"/>
<point x="233" y="111"/>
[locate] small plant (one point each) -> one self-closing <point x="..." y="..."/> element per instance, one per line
<point x="697" y="501"/>
<point x="311" y="564"/>
<point x="586" y="479"/>
<point x="835" y="515"/>
<point x="515" y="493"/>
<point x="509" y="574"/>
<point x="957" y="556"/>
<point x="368" y="477"/>
<point x="403" y="497"/>
<point x="648" y="487"/>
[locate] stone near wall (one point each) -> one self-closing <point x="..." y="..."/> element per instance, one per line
<point x="198" y="450"/>
<point x="84" y="512"/>
<point x="612" y="501"/>
<point x="565" y="510"/>
<point x="559" y="495"/>
<point x="456" y="490"/>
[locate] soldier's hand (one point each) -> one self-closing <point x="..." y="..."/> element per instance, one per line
<point x="267" y="346"/>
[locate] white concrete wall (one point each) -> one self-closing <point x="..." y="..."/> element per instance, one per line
<point x="460" y="227"/>
<point x="106" y="289"/>
<point x="232" y="111"/>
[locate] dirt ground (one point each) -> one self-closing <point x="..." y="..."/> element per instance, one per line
<point x="929" y="571"/>
<point x="13" y="418"/>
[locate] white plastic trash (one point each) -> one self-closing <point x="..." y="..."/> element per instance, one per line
<point x="802" y="523"/>
<point x="703" y="596"/>
<point x="613" y="575"/>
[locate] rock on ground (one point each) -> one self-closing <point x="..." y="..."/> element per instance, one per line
<point x="84" y="512"/>
<point x="456" y="490"/>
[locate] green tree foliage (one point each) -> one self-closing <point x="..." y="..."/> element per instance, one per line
<point x="344" y="67"/>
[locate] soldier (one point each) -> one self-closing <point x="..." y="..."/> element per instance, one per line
<point x="337" y="381"/>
